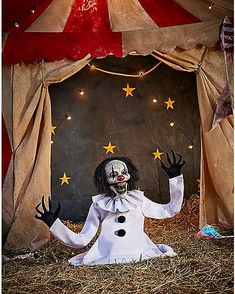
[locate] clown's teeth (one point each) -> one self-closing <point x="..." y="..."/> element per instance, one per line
<point x="121" y="187"/>
<point x="121" y="184"/>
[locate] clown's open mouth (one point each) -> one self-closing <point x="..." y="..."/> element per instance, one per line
<point x="121" y="187"/>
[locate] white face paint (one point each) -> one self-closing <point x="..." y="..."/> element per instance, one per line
<point x="117" y="176"/>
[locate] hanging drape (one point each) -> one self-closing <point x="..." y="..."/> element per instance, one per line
<point x="7" y="158"/>
<point x="216" y="187"/>
<point x="31" y="131"/>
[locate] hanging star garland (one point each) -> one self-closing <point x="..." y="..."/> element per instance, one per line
<point x="128" y="90"/>
<point x="53" y="130"/>
<point x="157" y="154"/>
<point x="109" y="148"/>
<point x="169" y="103"/>
<point x="65" y="179"/>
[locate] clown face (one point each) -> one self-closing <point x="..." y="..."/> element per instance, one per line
<point x="117" y="176"/>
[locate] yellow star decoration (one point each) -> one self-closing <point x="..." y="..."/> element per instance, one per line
<point x="65" y="179"/>
<point x="157" y="154"/>
<point x="128" y="90"/>
<point x="53" y="130"/>
<point x="109" y="148"/>
<point x="169" y="103"/>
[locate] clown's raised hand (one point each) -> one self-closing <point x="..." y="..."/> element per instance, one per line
<point x="47" y="216"/>
<point x="174" y="169"/>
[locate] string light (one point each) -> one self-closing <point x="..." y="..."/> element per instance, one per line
<point x="155" y="100"/>
<point x="173" y="123"/>
<point x="211" y="5"/>
<point x="79" y="92"/>
<point x="52" y="142"/>
<point x="23" y="16"/>
<point x="140" y="74"/>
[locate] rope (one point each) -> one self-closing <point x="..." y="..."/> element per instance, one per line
<point x="142" y="74"/>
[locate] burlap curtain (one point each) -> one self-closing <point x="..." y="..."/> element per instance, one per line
<point x="32" y="147"/>
<point x="7" y="187"/>
<point x="216" y="189"/>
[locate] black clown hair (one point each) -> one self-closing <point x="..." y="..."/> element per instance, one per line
<point x="100" y="179"/>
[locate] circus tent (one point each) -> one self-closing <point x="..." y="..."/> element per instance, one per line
<point x="102" y="27"/>
<point x="47" y="41"/>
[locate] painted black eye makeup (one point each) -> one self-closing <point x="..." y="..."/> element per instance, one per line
<point x="113" y="173"/>
<point x="124" y="171"/>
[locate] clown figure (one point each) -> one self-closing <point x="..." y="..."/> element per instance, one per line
<point x="119" y="209"/>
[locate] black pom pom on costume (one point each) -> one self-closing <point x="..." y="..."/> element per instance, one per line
<point x="121" y="219"/>
<point x="121" y="233"/>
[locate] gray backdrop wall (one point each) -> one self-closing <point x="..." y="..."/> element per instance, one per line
<point x="135" y="124"/>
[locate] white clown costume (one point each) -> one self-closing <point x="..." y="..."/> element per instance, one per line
<point x="122" y="238"/>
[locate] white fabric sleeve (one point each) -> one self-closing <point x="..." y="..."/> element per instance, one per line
<point x="77" y="240"/>
<point x="160" y="211"/>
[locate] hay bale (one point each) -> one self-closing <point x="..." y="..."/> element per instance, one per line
<point x="202" y="266"/>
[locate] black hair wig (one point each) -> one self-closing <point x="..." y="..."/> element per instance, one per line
<point x="100" y="178"/>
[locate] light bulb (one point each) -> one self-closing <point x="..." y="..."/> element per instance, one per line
<point x="69" y="117"/>
<point x="92" y="66"/>
<point x="32" y="10"/>
<point x="52" y="142"/>
<point x="172" y="124"/>
<point x="211" y="6"/>
<point x="190" y="146"/>
<point x="16" y="24"/>
<point x="154" y="100"/>
<point x="81" y="92"/>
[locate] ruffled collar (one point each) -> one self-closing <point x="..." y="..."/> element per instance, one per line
<point x="113" y="204"/>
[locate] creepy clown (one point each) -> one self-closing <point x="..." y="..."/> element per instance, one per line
<point x="120" y="209"/>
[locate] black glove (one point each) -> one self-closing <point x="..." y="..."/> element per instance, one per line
<point x="47" y="216"/>
<point x="175" y="167"/>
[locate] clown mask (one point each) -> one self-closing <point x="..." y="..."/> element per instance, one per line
<point x="117" y="177"/>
